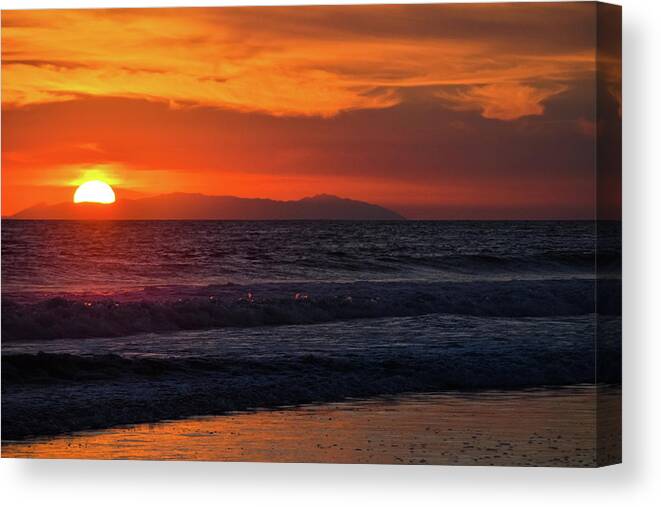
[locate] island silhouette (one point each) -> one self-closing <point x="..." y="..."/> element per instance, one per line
<point x="184" y="206"/>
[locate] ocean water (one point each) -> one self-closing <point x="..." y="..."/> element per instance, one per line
<point x="108" y="323"/>
<point x="106" y="257"/>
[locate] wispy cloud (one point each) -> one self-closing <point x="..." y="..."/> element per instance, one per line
<point x="299" y="62"/>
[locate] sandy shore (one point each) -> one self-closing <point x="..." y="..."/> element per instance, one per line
<point x="525" y="428"/>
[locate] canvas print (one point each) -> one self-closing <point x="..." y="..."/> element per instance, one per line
<point x="339" y="234"/>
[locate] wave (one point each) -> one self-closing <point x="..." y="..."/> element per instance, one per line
<point x="555" y="262"/>
<point x="47" y="393"/>
<point x="483" y="265"/>
<point x="298" y="303"/>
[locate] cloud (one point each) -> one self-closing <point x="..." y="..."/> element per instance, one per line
<point x="502" y="62"/>
<point x="502" y="101"/>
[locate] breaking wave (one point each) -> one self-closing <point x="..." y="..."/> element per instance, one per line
<point x="303" y="303"/>
<point x="301" y="364"/>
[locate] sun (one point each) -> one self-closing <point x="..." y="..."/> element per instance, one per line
<point x="94" y="191"/>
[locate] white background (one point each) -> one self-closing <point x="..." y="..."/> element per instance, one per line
<point x="636" y="482"/>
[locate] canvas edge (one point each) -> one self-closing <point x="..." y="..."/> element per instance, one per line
<point x="608" y="174"/>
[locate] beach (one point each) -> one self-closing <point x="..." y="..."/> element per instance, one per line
<point x="544" y="427"/>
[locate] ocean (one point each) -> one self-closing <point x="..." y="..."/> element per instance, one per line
<point x="108" y="323"/>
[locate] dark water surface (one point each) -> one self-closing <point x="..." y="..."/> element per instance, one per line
<point x="109" y="256"/>
<point x="108" y="323"/>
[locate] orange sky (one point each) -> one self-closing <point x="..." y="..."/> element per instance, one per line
<point x="447" y="111"/>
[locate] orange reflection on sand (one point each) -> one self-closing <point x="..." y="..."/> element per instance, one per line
<point x="535" y="428"/>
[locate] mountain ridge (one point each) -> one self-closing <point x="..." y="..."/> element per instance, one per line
<point x="195" y="206"/>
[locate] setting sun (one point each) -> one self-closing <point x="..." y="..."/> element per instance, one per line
<point x="94" y="191"/>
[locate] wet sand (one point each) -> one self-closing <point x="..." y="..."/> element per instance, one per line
<point x="523" y="428"/>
